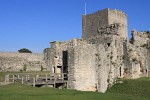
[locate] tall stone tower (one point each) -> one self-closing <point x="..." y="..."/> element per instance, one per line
<point x="91" y="22"/>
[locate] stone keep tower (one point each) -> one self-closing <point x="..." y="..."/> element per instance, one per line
<point x="91" y="22"/>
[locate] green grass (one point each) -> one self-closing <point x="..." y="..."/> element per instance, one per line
<point x="2" y="75"/>
<point x="138" y="89"/>
<point x="20" y="92"/>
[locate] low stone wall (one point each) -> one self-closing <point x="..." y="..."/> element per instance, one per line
<point x="13" y="61"/>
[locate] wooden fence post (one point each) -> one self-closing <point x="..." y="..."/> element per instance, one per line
<point x="37" y="76"/>
<point x="22" y="80"/>
<point x="6" y="78"/>
<point x="13" y="78"/>
<point x="46" y="77"/>
<point x="33" y="82"/>
<point x="18" y="76"/>
<point x="26" y="78"/>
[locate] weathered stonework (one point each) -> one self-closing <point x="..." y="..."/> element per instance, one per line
<point x="104" y="54"/>
<point x="10" y="61"/>
<point x="92" y="22"/>
<point x="138" y="54"/>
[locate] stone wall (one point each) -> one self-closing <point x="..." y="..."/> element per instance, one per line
<point x="117" y="16"/>
<point x="138" y="50"/>
<point x="81" y="62"/>
<point x="90" y="66"/>
<point x="11" y="61"/>
<point x="78" y="63"/>
<point x="92" y="22"/>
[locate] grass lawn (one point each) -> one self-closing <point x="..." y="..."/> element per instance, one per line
<point x="138" y="89"/>
<point x="20" y="92"/>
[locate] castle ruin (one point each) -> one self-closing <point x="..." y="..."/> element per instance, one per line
<point x="103" y="55"/>
<point x="13" y="61"/>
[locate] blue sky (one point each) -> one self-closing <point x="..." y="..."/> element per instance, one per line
<point x="33" y="24"/>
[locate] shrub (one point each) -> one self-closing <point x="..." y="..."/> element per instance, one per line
<point x="42" y="68"/>
<point x="24" y="50"/>
<point x="24" y="67"/>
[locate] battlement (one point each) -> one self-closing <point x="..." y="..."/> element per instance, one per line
<point x="141" y="34"/>
<point x="117" y="11"/>
<point x="120" y="12"/>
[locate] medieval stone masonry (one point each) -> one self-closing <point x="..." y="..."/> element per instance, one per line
<point x="103" y="55"/>
<point x="11" y="61"/>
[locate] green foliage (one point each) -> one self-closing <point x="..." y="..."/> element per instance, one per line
<point x="24" y="50"/>
<point x="24" y="67"/>
<point x="131" y="40"/>
<point x="2" y="75"/>
<point x="147" y="31"/>
<point x="42" y="68"/>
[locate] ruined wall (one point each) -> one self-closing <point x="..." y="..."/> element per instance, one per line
<point x="104" y="54"/>
<point x="82" y="67"/>
<point x="102" y="68"/>
<point x="109" y="63"/>
<point x="93" y="65"/>
<point x="57" y="53"/>
<point x="97" y="62"/>
<point x="46" y="57"/>
<point x="80" y="63"/>
<point x="10" y="61"/>
<point x="138" y="51"/>
<point x="105" y="34"/>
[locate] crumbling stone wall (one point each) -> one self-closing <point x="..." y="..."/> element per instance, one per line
<point x="82" y="63"/>
<point x="138" y="51"/>
<point x="46" y="55"/>
<point x="110" y="58"/>
<point x="10" y="61"/>
<point x="56" y="53"/>
<point x="104" y="54"/>
<point x="97" y="63"/>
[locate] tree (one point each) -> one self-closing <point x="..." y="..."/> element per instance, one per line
<point x="24" y="50"/>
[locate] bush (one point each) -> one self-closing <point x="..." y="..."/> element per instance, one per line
<point x="42" y="68"/>
<point x="24" y="67"/>
<point x="24" y="50"/>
